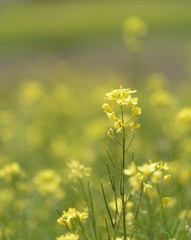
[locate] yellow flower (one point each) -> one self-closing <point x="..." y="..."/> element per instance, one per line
<point x="72" y="213"/>
<point x="167" y="178"/>
<point x="146" y="169"/>
<point x="156" y="176"/>
<point x="129" y="217"/>
<point x="149" y="190"/>
<point x="47" y="182"/>
<point x="134" y="125"/>
<point x="68" y="236"/>
<point x="135" y="111"/>
<point x="119" y="204"/>
<point x="107" y="108"/>
<point x="118" y="125"/>
<point x="64" y="222"/>
<point x="82" y="215"/>
<point x="121" y="96"/>
<point x="112" y="116"/>
<point x="135" y="181"/>
<point x="184" y="115"/>
<point x="135" y="26"/>
<point x="166" y="201"/>
<point x="110" y="133"/>
<point x="11" y="170"/>
<point x="78" y="170"/>
<point x="131" y="170"/>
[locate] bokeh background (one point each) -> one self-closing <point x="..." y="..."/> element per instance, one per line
<point x="57" y="60"/>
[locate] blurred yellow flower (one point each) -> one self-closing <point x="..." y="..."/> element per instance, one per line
<point x="184" y="115"/>
<point x="68" y="236"/>
<point x="47" y="182"/>
<point x="78" y="170"/>
<point x="166" y="201"/>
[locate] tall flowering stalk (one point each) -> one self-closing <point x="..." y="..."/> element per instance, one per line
<point x="123" y="98"/>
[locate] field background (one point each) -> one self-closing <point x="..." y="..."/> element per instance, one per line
<point x="57" y="60"/>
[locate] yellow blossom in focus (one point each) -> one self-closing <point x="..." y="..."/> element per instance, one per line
<point x="135" y="111"/>
<point x="64" y="222"/>
<point x="118" y="125"/>
<point x="107" y="108"/>
<point x="134" y="125"/>
<point x="68" y="236"/>
<point x="121" y="96"/>
<point x="184" y="115"/>
<point x="72" y="213"/>
<point x="112" y="116"/>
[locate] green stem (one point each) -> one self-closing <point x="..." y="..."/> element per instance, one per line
<point x="122" y="175"/>
<point x="163" y="213"/>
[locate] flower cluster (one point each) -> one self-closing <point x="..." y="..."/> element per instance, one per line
<point x="184" y="115"/>
<point x="134" y="30"/>
<point x="47" y="182"/>
<point x="68" y="236"/>
<point x="78" y="170"/>
<point x="71" y="214"/>
<point x="122" y="97"/>
<point x="152" y="173"/>
<point x="11" y="170"/>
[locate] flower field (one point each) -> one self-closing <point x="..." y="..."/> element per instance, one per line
<point x="90" y="151"/>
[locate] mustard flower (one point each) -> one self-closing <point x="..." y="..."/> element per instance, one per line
<point x="184" y="115"/>
<point x="166" y="201"/>
<point x="131" y="170"/>
<point x="11" y="170"/>
<point x="134" y="125"/>
<point x="122" y="96"/>
<point x="156" y="176"/>
<point x="107" y="108"/>
<point x="167" y="178"/>
<point x="110" y="133"/>
<point x="47" y="182"/>
<point x="149" y="190"/>
<point x="135" y="111"/>
<point x="72" y="213"/>
<point x="135" y="26"/>
<point x="68" y="236"/>
<point x="146" y="169"/>
<point x="112" y="116"/>
<point x="78" y="170"/>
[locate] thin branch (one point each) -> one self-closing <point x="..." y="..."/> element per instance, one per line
<point x="109" y="238"/>
<point x="109" y="213"/>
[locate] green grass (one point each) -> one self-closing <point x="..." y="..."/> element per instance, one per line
<point x="66" y="24"/>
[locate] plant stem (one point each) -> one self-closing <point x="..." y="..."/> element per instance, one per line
<point x="122" y="175"/>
